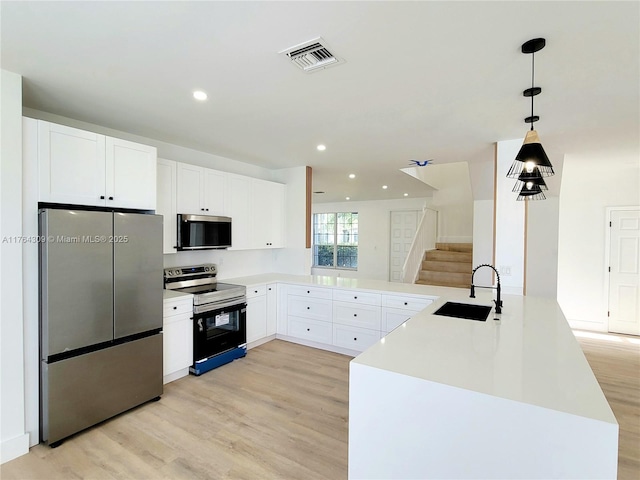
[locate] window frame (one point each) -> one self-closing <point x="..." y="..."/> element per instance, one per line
<point x="335" y="243"/>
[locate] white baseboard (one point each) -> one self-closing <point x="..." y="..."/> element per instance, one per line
<point x="591" y="326"/>
<point x="175" y="375"/>
<point x="257" y="343"/>
<point x="14" y="447"/>
<point x="460" y="239"/>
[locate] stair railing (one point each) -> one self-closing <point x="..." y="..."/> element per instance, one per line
<point x="424" y="239"/>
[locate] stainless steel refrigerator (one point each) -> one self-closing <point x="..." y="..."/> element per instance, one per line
<point x="101" y="280"/>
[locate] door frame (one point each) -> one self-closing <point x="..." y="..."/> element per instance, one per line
<point x="607" y="255"/>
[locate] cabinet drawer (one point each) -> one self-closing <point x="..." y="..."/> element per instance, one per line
<point x="394" y="317"/>
<point x="408" y="303"/>
<point x="315" y="308"/>
<point x="181" y="317"/>
<point x="355" y="296"/>
<point x="256" y="291"/>
<point x="365" y="316"/>
<point x="313" y="330"/>
<point x="176" y="307"/>
<point x="354" y="338"/>
<point x="317" y="292"/>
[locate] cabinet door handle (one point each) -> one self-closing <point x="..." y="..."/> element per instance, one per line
<point x="101" y="197"/>
<point x="207" y="209"/>
<point x="110" y="198"/>
<point x="175" y="308"/>
<point x="308" y="291"/>
<point x="269" y="288"/>
<point x="308" y="308"/>
<point x="355" y="338"/>
<point x="355" y="298"/>
<point x="308" y="329"/>
<point x="355" y="314"/>
<point x="405" y="303"/>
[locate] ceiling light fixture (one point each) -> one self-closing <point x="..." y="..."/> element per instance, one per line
<point x="406" y="194"/>
<point x="531" y="163"/>
<point x="384" y="187"/>
<point x="352" y="175"/>
<point x="347" y="198"/>
<point x="321" y="148"/>
<point x="199" y="95"/>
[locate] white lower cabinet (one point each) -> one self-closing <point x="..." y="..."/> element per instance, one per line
<point x="397" y="309"/>
<point x="262" y="301"/>
<point x="312" y="330"/>
<point x="354" y="338"/>
<point x="177" y="337"/>
<point x="256" y="313"/>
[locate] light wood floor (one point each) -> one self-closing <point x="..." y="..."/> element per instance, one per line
<point x="279" y="413"/>
<point x="615" y="361"/>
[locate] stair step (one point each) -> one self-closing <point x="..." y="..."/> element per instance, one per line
<point x="448" y="256"/>
<point x="460" y="267"/>
<point x="441" y="284"/>
<point x="455" y="247"/>
<point x="446" y="277"/>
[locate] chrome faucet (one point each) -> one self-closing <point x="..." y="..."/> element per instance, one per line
<point x="498" y="302"/>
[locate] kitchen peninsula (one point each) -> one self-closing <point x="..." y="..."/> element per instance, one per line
<point x="442" y="397"/>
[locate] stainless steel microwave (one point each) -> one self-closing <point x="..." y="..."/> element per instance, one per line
<point x="203" y="232"/>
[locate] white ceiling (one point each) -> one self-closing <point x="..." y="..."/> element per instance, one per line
<point x="422" y="80"/>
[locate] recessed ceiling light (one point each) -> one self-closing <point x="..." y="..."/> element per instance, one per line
<point x="199" y="95"/>
<point x="352" y="175"/>
<point x="322" y="148"/>
<point x="406" y="194"/>
<point x="347" y="198"/>
<point x="384" y="187"/>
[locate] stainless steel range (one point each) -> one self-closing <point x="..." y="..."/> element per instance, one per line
<point x="219" y="315"/>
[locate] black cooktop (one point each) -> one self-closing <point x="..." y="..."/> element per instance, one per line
<point x="200" y="289"/>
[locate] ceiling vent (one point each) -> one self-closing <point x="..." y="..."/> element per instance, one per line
<point x="312" y="56"/>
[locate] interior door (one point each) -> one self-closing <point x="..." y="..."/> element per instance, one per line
<point x="403" y="229"/>
<point x="624" y="276"/>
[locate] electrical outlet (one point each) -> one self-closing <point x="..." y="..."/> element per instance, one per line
<point x="505" y="270"/>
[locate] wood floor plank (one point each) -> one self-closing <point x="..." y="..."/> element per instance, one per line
<point x="279" y="413"/>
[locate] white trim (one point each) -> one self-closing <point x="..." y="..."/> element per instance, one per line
<point x="14" y="447"/>
<point x="183" y="372"/>
<point x="591" y="326"/>
<point x="459" y="239"/>
<point x="321" y="346"/>
<point x="260" y="341"/>
<point x="607" y="260"/>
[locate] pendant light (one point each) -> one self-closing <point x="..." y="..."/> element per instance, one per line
<point x="531" y="163"/>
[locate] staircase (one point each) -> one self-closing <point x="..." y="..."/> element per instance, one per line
<point x="449" y="265"/>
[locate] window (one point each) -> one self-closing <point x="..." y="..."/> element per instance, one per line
<point x="335" y="240"/>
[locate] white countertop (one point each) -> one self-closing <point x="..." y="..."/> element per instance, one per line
<point x="170" y="294"/>
<point x="344" y="282"/>
<point x="530" y="355"/>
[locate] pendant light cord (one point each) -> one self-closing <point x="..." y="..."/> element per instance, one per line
<point x="532" y="84"/>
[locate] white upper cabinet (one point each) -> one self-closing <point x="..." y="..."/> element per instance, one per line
<point x="131" y="174"/>
<point x="71" y="164"/>
<point x="200" y="190"/>
<point x="268" y="214"/>
<point x="240" y="210"/>
<point x="256" y="208"/>
<point x="166" y="204"/>
<point x="85" y="168"/>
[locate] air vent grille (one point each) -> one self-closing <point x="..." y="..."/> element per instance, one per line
<point x="311" y="56"/>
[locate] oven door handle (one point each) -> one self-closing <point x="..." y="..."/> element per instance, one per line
<point x="234" y="302"/>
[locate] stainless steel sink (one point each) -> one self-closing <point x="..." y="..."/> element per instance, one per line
<point x="464" y="310"/>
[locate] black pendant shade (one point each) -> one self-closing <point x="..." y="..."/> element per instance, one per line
<point x="531" y="192"/>
<point x="527" y="179"/>
<point x="531" y="154"/>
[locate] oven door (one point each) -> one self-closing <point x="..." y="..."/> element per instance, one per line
<point x="219" y="330"/>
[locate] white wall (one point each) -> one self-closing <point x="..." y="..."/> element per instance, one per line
<point x="589" y="185"/>
<point x="542" y="247"/>
<point x="510" y="221"/>
<point x="452" y="199"/>
<point x="14" y="440"/>
<point x="483" y="240"/>
<point x="373" y="235"/>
